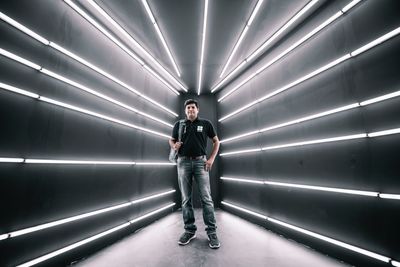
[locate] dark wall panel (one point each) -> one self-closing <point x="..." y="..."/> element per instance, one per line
<point x="364" y="164"/>
<point x="36" y="194"/>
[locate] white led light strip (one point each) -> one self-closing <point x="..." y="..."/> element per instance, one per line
<point x="315" y="116"/>
<point x="81" y="110"/>
<point x="312" y="187"/>
<point x="115" y="41"/>
<point x="82" y="162"/>
<point x="128" y="36"/>
<point x="242" y="35"/>
<point x="90" y="239"/>
<point x="73" y="56"/>
<point x="160" y="35"/>
<point x="316" y="141"/>
<point x="266" y="43"/>
<point x="328" y="66"/>
<point x="203" y="41"/>
<point x="315" y="235"/>
<point x="292" y="47"/>
<point x="79" y="217"/>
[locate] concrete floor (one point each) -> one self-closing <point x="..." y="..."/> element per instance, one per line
<point x="242" y="244"/>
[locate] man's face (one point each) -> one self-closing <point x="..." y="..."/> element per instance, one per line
<point x="191" y="111"/>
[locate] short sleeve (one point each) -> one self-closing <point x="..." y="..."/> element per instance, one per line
<point x="175" y="134"/>
<point x="211" y="131"/>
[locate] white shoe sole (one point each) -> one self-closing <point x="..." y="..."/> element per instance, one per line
<point x="182" y="244"/>
<point x="217" y="246"/>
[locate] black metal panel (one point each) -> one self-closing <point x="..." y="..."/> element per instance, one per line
<point x="363" y="164"/>
<point x="35" y="194"/>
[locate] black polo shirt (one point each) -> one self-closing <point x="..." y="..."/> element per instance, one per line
<point x="194" y="136"/>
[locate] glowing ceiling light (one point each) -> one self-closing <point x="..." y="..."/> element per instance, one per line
<point x="151" y="197"/>
<point x="389" y="196"/>
<point x="100" y="95"/>
<point x="64" y="221"/>
<point x="268" y="42"/>
<point x="240" y="136"/>
<point x="75" y="84"/>
<point x="350" y="5"/>
<point x="23" y="28"/>
<point x="87" y="240"/>
<point x="155" y="163"/>
<point x="73" y="246"/>
<point x="317" y="115"/>
<point x="98" y="115"/>
<point x="99" y="162"/>
<point x="281" y="30"/>
<point x="380" y="98"/>
<point x="68" y="53"/>
<point x="327" y="189"/>
<point x="79" y="217"/>
<point x="291" y="48"/>
<point x="284" y="53"/>
<point x="356" y="52"/>
<point x="106" y="33"/>
<point x="310" y="142"/>
<point x="82" y="110"/>
<point x="111" y="77"/>
<point x="318" y="141"/>
<point x="12" y="160"/>
<point x="376" y="42"/>
<point x="288" y="86"/>
<point x="160" y="35"/>
<point x="18" y="91"/>
<point x="245" y="210"/>
<point x="242" y="35"/>
<point x="151" y="213"/>
<point x="331" y="240"/>
<point x="309" y="187"/>
<point x="303" y="119"/>
<point x="19" y="59"/>
<point x="385" y="132"/>
<point x="242" y="180"/>
<point x="203" y="41"/>
<point x="129" y="37"/>
<point x="313" y="234"/>
<point x="241" y="152"/>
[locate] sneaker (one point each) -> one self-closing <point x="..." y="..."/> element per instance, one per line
<point x="185" y="238"/>
<point x="214" y="242"/>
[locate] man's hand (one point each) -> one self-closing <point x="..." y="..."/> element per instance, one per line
<point x="209" y="164"/>
<point x="177" y="145"/>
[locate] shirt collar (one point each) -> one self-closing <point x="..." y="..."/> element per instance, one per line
<point x="187" y="120"/>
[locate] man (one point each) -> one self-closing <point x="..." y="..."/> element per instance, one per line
<point x="192" y="163"/>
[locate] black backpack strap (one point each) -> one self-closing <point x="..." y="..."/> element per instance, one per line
<point x="181" y="125"/>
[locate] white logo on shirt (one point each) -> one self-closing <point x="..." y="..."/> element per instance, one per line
<point x="200" y="128"/>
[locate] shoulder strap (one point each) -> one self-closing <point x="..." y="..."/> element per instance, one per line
<point x="181" y="124"/>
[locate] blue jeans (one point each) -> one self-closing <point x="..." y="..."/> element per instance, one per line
<point x="187" y="170"/>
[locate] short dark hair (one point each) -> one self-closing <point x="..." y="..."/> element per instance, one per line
<point x="191" y="101"/>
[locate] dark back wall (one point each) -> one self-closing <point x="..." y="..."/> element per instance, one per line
<point x="369" y="164"/>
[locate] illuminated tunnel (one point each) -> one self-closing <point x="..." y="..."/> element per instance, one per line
<point x="304" y="97"/>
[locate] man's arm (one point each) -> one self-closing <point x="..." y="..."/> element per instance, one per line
<point x="174" y="145"/>
<point x="214" y="153"/>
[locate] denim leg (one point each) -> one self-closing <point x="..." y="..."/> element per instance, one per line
<point x="203" y="180"/>
<point x="185" y="186"/>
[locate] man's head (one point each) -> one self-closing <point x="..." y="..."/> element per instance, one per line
<point x="191" y="109"/>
